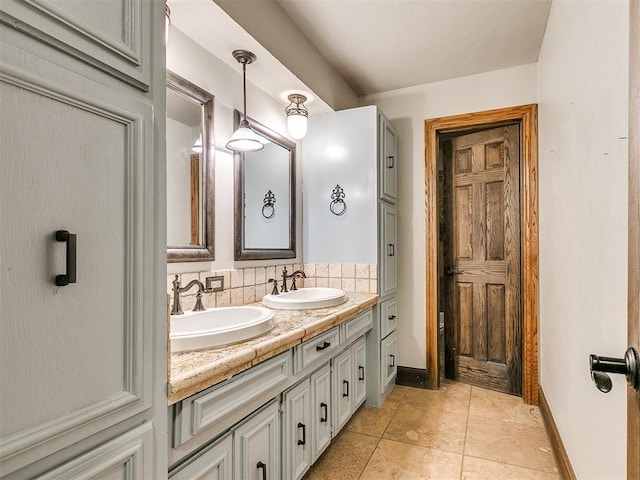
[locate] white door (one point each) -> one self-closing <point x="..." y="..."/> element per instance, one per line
<point x="320" y="411"/>
<point x="297" y="431"/>
<point x="76" y="156"/>
<point x="359" y="372"/>
<point x="256" y="445"/>
<point x="388" y="249"/>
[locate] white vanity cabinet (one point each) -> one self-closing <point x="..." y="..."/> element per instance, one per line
<point x="82" y="334"/>
<point x="213" y="463"/>
<point x="354" y="152"/>
<point x="349" y="383"/>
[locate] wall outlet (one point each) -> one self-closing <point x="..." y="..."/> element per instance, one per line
<point x="214" y="284"/>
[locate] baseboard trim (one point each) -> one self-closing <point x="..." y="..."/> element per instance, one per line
<point x="412" y="377"/>
<point x="562" y="459"/>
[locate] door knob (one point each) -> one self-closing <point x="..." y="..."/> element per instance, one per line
<point x="451" y="271"/>
<point x="629" y="366"/>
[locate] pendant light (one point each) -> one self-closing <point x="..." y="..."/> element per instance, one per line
<point x="244" y="139"/>
<point x="297" y="115"/>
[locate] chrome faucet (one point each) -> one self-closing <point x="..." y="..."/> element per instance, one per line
<point x="176" y="309"/>
<point x="294" y="275"/>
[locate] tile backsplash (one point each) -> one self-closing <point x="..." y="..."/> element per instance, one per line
<point x="248" y="285"/>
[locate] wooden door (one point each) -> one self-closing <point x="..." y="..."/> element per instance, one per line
<point x="482" y="259"/>
<point x="633" y="396"/>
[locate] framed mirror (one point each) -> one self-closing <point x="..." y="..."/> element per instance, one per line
<point x="265" y="186"/>
<point x="190" y="168"/>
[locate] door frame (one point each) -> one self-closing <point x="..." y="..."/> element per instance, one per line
<point x="527" y="117"/>
<point x="633" y="396"/>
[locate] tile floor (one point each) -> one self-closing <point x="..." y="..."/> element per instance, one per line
<point x="456" y="433"/>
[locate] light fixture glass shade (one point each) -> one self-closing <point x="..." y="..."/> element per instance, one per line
<point x="297" y="115"/>
<point x="197" y="147"/>
<point x="297" y="126"/>
<point x="245" y="140"/>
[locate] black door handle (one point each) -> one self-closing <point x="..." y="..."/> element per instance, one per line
<point x="393" y="361"/>
<point x="629" y="366"/>
<point x="392" y="249"/>
<point x="304" y="434"/>
<point x="392" y="317"/>
<point x="70" y="275"/>
<point x="326" y="415"/>
<point x="345" y="382"/>
<point x="361" y="373"/>
<point x="262" y="466"/>
<point x="391" y="161"/>
<point x="323" y="346"/>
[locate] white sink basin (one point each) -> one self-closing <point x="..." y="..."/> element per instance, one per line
<point x="305" y="299"/>
<point x="218" y="326"/>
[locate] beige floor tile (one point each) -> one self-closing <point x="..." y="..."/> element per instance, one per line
<point x="394" y="460"/>
<point x="345" y="459"/>
<point x="452" y="397"/>
<point x="398" y="393"/>
<point x="372" y="421"/>
<point x="432" y="426"/>
<point x="529" y="415"/>
<point x="489" y="404"/>
<point x="508" y="442"/>
<point x="480" y="469"/>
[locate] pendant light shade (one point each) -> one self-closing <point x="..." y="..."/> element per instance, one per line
<point x="244" y="139"/>
<point x="297" y="115"/>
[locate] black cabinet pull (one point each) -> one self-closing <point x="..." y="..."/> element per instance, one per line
<point x="345" y="382"/>
<point x="323" y="346"/>
<point x="391" y="161"/>
<point x="393" y="361"/>
<point x="392" y="249"/>
<point x="326" y="412"/>
<point x="70" y="275"/>
<point x="304" y="434"/>
<point x="262" y="466"/>
<point x="392" y="317"/>
<point x="361" y="373"/>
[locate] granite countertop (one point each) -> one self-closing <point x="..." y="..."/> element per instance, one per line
<point x="192" y="372"/>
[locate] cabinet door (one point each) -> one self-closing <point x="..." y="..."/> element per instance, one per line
<point x="320" y="411"/>
<point x="76" y="156"/>
<point x="121" y="458"/>
<point x="359" y="373"/>
<point x="297" y="431"/>
<point x="388" y="366"/>
<point x="257" y="446"/>
<point x="214" y="463"/>
<point x="388" y="249"/>
<point x="342" y="390"/>
<point x="388" y="316"/>
<point x="387" y="162"/>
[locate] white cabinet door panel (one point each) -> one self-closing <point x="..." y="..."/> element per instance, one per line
<point x="321" y="410"/>
<point x="388" y="250"/>
<point x="388" y="162"/>
<point x="214" y="463"/>
<point x="79" y="161"/>
<point x="297" y="431"/>
<point x="359" y="373"/>
<point x="342" y="390"/>
<point x="257" y="446"/>
<point x="388" y="354"/>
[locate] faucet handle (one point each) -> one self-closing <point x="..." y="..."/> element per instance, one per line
<point x="275" y="286"/>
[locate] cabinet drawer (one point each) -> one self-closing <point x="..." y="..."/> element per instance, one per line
<point x="388" y="319"/>
<point x="318" y="349"/>
<point x="218" y="403"/>
<point x="356" y="327"/>
<point x="212" y="463"/>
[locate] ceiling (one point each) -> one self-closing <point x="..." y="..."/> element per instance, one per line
<point x="382" y="45"/>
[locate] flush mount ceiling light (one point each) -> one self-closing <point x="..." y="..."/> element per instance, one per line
<point x="244" y="139"/>
<point x="297" y="115"/>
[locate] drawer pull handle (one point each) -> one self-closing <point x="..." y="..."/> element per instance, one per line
<point x="393" y="361"/>
<point x="345" y="382"/>
<point x="391" y="161"/>
<point x="391" y="250"/>
<point x="361" y="373"/>
<point x="323" y="346"/>
<point x="262" y="466"/>
<point x="326" y="412"/>
<point x="304" y="434"/>
<point x="392" y="317"/>
<point x="70" y="275"/>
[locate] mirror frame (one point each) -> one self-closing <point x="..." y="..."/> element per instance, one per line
<point x="241" y="252"/>
<point x="203" y="252"/>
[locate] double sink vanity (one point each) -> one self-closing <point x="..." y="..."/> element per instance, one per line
<point x="259" y="392"/>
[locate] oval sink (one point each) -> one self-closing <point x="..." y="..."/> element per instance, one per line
<point x="306" y="298"/>
<point x="218" y="326"/>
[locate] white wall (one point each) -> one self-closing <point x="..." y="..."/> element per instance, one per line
<point x="408" y="109"/>
<point x="189" y="60"/>
<point x="583" y="123"/>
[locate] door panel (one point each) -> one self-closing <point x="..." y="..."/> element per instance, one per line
<point x="483" y="312"/>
